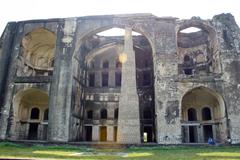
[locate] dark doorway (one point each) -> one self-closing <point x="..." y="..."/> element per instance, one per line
<point x="103" y="133"/>
<point x="116" y="113"/>
<point x="148" y="134"/>
<point x="45" y="128"/>
<point x="207" y="132"/>
<point x="115" y="134"/>
<point x="88" y="133"/>
<point x="147" y="113"/>
<point x="193" y="134"/>
<point x="33" y="131"/>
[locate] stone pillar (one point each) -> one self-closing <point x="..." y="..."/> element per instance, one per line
<point x="128" y="121"/>
<point x="95" y="133"/>
<point x="61" y="86"/>
<point x="8" y="64"/>
<point x="110" y="133"/>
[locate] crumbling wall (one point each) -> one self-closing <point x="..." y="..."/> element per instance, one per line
<point x="166" y="96"/>
<point x="229" y="38"/>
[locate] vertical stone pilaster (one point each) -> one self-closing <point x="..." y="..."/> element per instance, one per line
<point x="95" y="133"/>
<point x="10" y="51"/>
<point x="61" y="86"/>
<point x="110" y="133"/>
<point x="129" y="120"/>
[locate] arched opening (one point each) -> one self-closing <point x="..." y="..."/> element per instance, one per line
<point x="103" y="114"/>
<point x="197" y="41"/>
<point x="206" y="114"/>
<point x="199" y="130"/>
<point x="30" y="115"/>
<point x="188" y="65"/>
<point x="37" y="56"/>
<point x="104" y="52"/>
<point x="34" y="113"/>
<point x="192" y="114"/>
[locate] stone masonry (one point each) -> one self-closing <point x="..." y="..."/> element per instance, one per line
<point x="62" y="81"/>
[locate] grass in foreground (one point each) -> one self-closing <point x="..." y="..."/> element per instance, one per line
<point x="11" y="150"/>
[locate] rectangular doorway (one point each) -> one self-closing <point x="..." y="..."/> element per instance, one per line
<point x="33" y="131"/>
<point x="103" y="133"/>
<point x="88" y="133"/>
<point x="115" y="134"/>
<point x="193" y="138"/>
<point x="148" y="134"/>
<point x="45" y="129"/>
<point x="207" y="132"/>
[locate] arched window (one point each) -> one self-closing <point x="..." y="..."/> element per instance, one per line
<point x="105" y="79"/>
<point x="116" y="113"/>
<point x="34" y="113"/>
<point x="188" y="65"/>
<point x="147" y="114"/>
<point x="105" y="64"/>
<point x="192" y="114"/>
<point x="103" y="114"/>
<point x="206" y="113"/>
<point x="90" y="114"/>
<point x="91" y="79"/>
<point x="45" y="116"/>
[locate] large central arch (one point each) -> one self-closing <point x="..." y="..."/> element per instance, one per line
<point x="100" y="28"/>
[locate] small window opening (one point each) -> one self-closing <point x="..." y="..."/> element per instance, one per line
<point x="91" y="80"/>
<point x="103" y="114"/>
<point x="104" y="79"/>
<point x="90" y="115"/>
<point x="118" y="79"/>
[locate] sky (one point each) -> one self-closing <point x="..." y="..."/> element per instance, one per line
<point x="18" y="10"/>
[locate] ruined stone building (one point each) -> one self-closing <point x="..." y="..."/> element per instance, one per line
<point x="61" y="81"/>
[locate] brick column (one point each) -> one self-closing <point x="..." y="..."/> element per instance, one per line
<point x="128" y="121"/>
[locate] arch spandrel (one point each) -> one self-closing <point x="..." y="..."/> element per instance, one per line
<point x="92" y="26"/>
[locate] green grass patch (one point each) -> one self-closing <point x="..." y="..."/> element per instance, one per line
<point x="60" y="152"/>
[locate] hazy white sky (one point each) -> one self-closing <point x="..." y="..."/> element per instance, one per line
<point x="17" y="10"/>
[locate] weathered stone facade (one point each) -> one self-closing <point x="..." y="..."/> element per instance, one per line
<point x="62" y="82"/>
